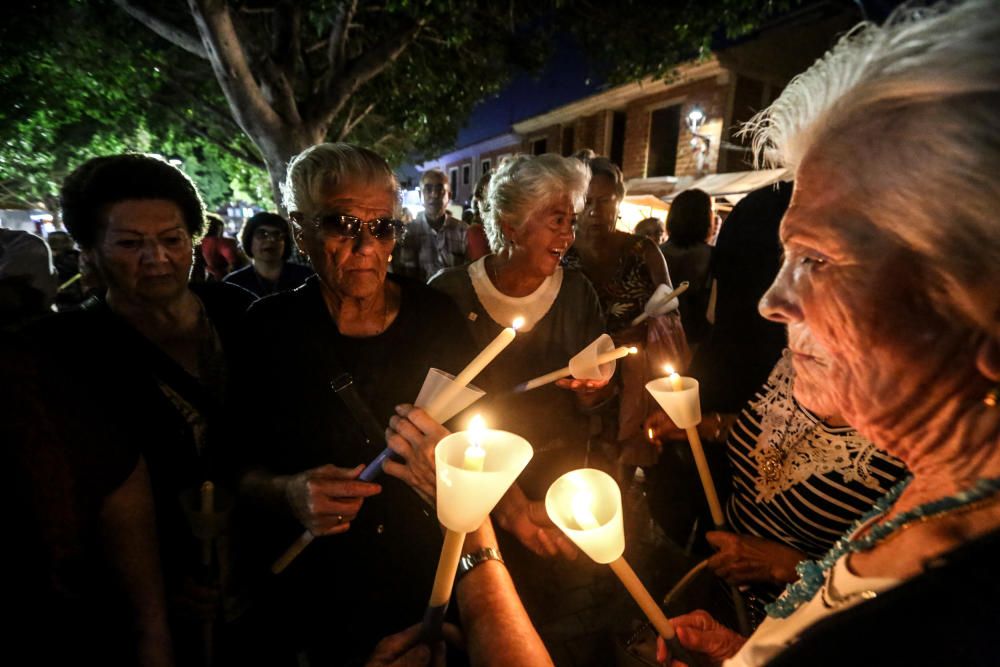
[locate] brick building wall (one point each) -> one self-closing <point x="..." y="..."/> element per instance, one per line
<point x="552" y="136"/>
<point x="711" y="95"/>
<point x="462" y="193"/>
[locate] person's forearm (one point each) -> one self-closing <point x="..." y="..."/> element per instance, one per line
<point x="129" y="533"/>
<point x="497" y="628"/>
<point x="270" y="491"/>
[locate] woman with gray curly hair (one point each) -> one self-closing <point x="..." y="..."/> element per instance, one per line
<point x="532" y="206"/>
<point x="889" y="293"/>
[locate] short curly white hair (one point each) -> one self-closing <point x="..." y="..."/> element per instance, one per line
<point x="523" y="184"/>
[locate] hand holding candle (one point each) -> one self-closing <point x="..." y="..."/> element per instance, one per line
<point x="678" y="396"/>
<point x="474" y="469"/>
<point x="586" y="504"/>
<point x="588" y="364"/>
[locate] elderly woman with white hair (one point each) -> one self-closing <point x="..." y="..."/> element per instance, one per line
<point x="889" y="290"/>
<point x="370" y="569"/>
<point x="532" y="205"/>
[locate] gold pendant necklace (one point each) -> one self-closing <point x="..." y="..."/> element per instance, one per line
<point x="772" y="464"/>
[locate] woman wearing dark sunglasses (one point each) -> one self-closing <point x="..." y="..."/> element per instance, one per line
<point x="370" y="570"/>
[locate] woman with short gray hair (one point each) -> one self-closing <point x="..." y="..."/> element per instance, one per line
<point x="889" y="291"/>
<point x="351" y="324"/>
<point x="532" y="206"/>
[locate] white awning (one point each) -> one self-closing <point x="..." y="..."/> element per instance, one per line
<point x="734" y="185"/>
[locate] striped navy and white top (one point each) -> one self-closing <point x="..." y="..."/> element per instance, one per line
<point x="822" y="478"/>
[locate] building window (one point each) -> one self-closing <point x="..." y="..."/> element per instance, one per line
<point x="453" y="179"/>
<point x="568" y="137"/>
<point x="484" y="167"/>
<point x="617" y="153"/>
<point x="664" y="130"/>
<point x="539" y="146"/>
<point x="466" y="169"/>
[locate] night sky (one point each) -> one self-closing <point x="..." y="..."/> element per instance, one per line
<point x="566" y="77"/>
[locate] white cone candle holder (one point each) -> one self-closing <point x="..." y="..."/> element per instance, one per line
<point x="661" y="302"/>
<point x="475" y="468"/>
<point x="597" y="361"/>
<point x="678" y="396"/>
<point x="442" y="396"/>
<point x="586" y="505"/>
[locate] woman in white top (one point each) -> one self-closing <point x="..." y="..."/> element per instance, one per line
<point x="889" y="290"/>
<point x="531" y="206"/>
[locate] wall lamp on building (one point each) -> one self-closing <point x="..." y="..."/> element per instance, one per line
<point x="700" y="143"/>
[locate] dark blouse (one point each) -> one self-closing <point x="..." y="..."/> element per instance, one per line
<point x="347" y="591"/>
<point x="292" y="275"/>
<point x="168" y="415"/>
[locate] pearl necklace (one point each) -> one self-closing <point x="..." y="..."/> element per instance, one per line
<point x="812" y="573"/>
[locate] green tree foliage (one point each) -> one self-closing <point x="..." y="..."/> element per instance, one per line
<point x="104" y="86"/>
<point x="633" y="39"/>
<point x="232" y="88"/>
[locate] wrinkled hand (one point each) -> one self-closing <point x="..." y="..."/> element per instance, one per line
<point x="413" y="435"/>
<point x="745" y="558"/>
<point x="698" y="632"/>
<point x="404" y="649"/>
<point x="326" y="499"/>
<point x="528" y="521"/>
<point x="711" y="427"/>
<point x="582" y="386"/>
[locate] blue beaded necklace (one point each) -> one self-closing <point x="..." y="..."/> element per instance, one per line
<point x="812" y="572"/>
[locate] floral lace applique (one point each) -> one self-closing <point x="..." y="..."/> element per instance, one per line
<point x="794" y="445"/>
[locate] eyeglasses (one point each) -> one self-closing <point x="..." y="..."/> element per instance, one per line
<point x="267" y="234"/>
<point x="348" y="226"/>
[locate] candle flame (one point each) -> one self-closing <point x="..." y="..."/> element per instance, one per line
<point x="650" y="434"/>
<point x="583" y="510"/>
<point x="517" y="323"/>
<point x="669" y="369"/>
<point x="477" y="429"/>
<point x="633" y="350"/>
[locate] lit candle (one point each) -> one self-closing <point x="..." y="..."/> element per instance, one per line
<point x="675" y="380"/>
<point x="548" y="378"/>
<point x="489" y="353"/>
<point x="475" y="367"/>
<point x="583" y="510"/>
<point x="466" y="494"/>
<point x="571" y="502"/>
<point x="683" y="407"/>
<point x="650" y="434"/>
<point x="475" y="455"/>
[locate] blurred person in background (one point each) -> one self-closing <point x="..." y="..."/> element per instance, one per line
<point x="267" y="241"/>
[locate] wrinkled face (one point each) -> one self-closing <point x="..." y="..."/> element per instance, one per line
<point x="144" y="252"/>
<point x="545" y="236"/>
<point x="268" y="243"/>
<point x="436" y="192"/>
<point x="601" y="208"/>
<point x="350" y="267"/>
<point x="865" y="342"/>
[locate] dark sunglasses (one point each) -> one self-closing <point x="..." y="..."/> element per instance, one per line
<point x="348" y="226"/>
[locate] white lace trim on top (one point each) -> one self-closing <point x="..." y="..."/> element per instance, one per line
<point x="809" y="447"/>
<point x="503" y="309"/>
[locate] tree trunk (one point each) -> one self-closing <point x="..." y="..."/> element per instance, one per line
<point x="279" y="151"/>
